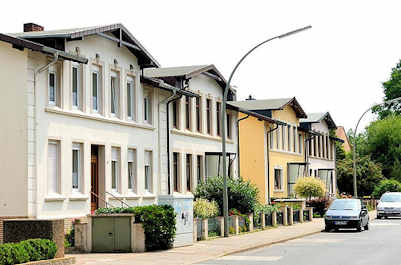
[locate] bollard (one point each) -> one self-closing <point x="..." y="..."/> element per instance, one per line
<point x="291" y="214"/>
<point x="285" y="218"/>
<point x="310" y="214"/>
<point x="236" y="224"/>
<point x="274" y="218"/>
<point x="205" y="229"/>
<point x="221" y="224"/>
<point x="263" y="220"/>
<point x="250" y="217"/>
<point x="195" y="232"/>
<point x="301" y="215"/>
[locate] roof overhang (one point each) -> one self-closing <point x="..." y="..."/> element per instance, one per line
<point x="297" y="107"/>
<point x="162" y="85"/>
<point x="254" y="114"/>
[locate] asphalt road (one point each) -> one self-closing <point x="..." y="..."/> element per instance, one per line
<point x="380" y="245"/>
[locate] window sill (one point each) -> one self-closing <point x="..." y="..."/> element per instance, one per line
<point x="98" y="117"/>
<point x="54" y="198"/>
<point x="199" y="135"/>
<point x="78" y="197"/>
<point x="132" y="195"/>
<point x="286" y="152"/>
<point x="149" y="196"/>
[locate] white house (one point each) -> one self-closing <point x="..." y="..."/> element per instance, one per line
<point x="321" y="152"/>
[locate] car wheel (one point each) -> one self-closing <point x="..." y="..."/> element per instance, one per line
<point x="366" y="227"/>
<point x="385" y="217"/>
<point x="359" y="226"/>
<point x="327" y="228"/>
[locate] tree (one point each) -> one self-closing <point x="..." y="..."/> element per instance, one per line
<point x="384" y="145"/>
<point x="368" y="173"/>
<point x="309" y="187"/>
<point x="361" y="142"/>
<point x="392" y="90"/>
<point x="390" y="185"/>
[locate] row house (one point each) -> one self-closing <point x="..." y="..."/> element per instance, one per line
<point x="93" y="121"/>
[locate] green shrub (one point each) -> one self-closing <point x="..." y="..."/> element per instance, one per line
<point x="309" y="187"/>
<point x="205" y="209"/>
<point x="264" y="208"/>
<point x="27" y="250"/>
<point x="319" y="205"/>
<point x="158" y="222"/>
<point x="388" y="185"/>
<point x="242" y="195"/>
<point x="69" y="240"/>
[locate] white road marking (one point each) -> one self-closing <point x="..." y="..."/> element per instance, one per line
<point x="251" y="258"/>
<point x="385" y="224"/>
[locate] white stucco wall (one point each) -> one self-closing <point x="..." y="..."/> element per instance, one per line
<point x="13" y="137"/>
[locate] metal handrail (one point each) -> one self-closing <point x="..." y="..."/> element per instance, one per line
<point x="122" y="202"/>
<point x="97" y="196"/>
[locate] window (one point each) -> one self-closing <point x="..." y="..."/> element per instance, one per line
<point x="76" y="166"/>
<point x="229" y="134"/>
<point x="76" y="87"/>
<point x="288" y="138"/>
<point x="53" y="164"/>
<point x="147" y="107"/>
<point x="271" y="139"/>
<point x="95" y="91"/>
<point x="187" y="113"/>
<point x="314" y="145"/>
<point x="208" y="118"/>
<point x="175" y="171"/>
<point x="148" y="171"/>
<point x="115" y="170"/>
<point x="310" y="146"/>
<point x="52" y="88"/>
<point x="198" y="118"/>
<point x="278" y="136"/>
<point x="218" y="114"/>
<point x="300" y="143"/>
<point x="131" y="169"/>
<point x="189" y="171"/>
<point x="130" y="98"/>
<point x="294" y="139"/>
<point x="199" y="169"/>
<point x="278" y="179"/>
<point x="175" y="115"/>
<point x="283" y="137"/>
<point x="327" y="147"/>
<point x="310" y="173"/>
<point x="114" y="94"/>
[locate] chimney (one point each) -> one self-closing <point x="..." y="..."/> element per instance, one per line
<point x="250" y="98"/>
<point x="28" y="27"/>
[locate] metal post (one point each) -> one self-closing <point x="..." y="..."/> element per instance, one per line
<point x="224" y="124"/>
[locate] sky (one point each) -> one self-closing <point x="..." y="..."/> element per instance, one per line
<point x="337" y="66"/>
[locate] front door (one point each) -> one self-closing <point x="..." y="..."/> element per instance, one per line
<point x="94" y="179"/>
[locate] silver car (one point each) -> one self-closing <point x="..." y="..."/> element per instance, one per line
<point x="389" y="205"/>
<point x="347" y="213"/>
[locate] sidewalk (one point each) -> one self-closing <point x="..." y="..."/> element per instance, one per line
<point x="205" y="250"/>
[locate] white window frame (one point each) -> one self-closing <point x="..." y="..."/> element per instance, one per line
<point x="131" y="82"/>
<point x="79" y="89"/>
<point x="98" y="109"/>
<point x="300" y="143"/>
<point x="148" y="178"/>
<point x="77" y="147"/>
<point x="281" y="178"/>
<point x="116" y="159"/>
<point x="147" y="107"/>
<point x="132" y="158"/>
<point x="52" y="103"/>
<point x="55" y="190"/>
<point x="116" y="100"/>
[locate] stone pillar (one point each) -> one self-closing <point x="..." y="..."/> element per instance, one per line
<point x="274" y="218"/>
<point x="195" y="229"/>
<point x="220" y="219"/>
<point x="250" y="217"/>
<point x="138" y="238"/>
<point x="80" y="236"/>
<point x="301" y="215"/>
<point x="205" y="229"/>
<point x="236" y="224"/>
<point x="291" y="215"/>
<point x="285" y="218"/>
<point x="263" y="220"/>
<point x="310" y="214"/>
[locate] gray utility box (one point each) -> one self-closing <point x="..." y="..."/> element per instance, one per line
<point x="183" y="207"/>
<point x="111" y="233"/>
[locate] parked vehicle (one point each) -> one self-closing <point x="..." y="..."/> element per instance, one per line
<point x="389" y="205"/>
<point x="347" y="213"/>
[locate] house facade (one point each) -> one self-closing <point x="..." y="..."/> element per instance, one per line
<point x="272" y="152"/>
<point x="321" y="154"/>
<point x="341" y="134"/>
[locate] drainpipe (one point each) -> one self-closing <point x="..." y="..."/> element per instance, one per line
<point x="238" y="155"/>
<point x="268" y="163"/>
<point x="36" y="99"/>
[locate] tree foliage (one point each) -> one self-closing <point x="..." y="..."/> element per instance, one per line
<point x="392" y="90"/>
<point x="388" y="185"/>
<point x="309" y="187"/>
<point x="368" y="174"/>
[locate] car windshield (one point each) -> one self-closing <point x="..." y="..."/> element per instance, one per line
<point x="344" y="205"/>
<point x="391" y="197"/>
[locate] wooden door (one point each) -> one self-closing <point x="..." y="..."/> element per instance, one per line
<point x="94" y="182"/>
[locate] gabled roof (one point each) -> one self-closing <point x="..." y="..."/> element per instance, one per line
<point x="115" y="32"/>
<point x="254" y="114"/>
<point x="21" y="44"/>
<point x="271" y="104"/>
<point x="318" y="117"/>
<point x="187" y="72"/>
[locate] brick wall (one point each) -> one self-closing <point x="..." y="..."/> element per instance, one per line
<point x="1" y="225"/>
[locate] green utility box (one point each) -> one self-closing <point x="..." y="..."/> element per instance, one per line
<point x="112" y="233"/>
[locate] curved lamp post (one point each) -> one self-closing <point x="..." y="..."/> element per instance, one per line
<point x="223" y="121"/>
<point x="354" y="140"/>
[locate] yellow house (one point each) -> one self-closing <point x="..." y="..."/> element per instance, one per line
<point x="271" y="145"/>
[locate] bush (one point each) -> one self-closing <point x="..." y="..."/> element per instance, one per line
<point x="388" y="185"/>
<point x="205" y="209"/>
<point x="158" y="222"/>
<point x="69" y="240"/>
<point x="242" y="195"/>
<point x="309" y="187"/>
<point x="319" y="205"/>
<point x="27" y="250"/>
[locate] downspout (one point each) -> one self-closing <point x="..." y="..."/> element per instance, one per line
<point x="238" y="155"/>
<point x="268" y="163"/>
<point x="36" y="98"/>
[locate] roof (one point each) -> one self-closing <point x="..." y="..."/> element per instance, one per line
<point x="318" y="117"/>
<point x="271" y="104"/>
<point x="187" y="72"/>
<point x="254" y="114"/>
<point x="126" y="38"/>
<point x="161" y="84"/>
<point x="19" y="43"/>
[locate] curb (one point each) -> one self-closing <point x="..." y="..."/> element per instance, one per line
<point x="255" y="247"/>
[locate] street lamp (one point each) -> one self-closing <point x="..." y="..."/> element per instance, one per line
<point x="223" y="121"/>
<point x="354" y="140"/>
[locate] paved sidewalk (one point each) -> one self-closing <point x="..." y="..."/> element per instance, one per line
<point x="205" y="250"/>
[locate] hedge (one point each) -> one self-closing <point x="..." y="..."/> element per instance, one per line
<point x="27" y="250"/>
<point x="158" y="222"/>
